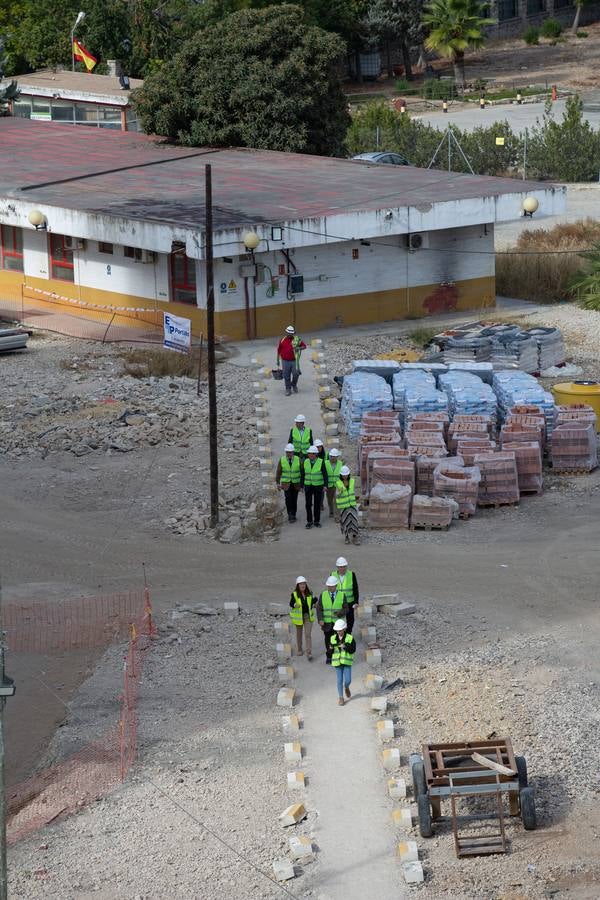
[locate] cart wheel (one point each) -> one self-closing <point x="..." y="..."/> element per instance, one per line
<point x="418" y="778"/>
<point x="424" y="812"/>
<point x="528" y="815"/>
<point x="522" y="771"/>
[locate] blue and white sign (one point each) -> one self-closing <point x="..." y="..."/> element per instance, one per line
<point x="177" y="333"/>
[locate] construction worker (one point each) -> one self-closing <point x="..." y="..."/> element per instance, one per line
<point x="343" y="648"/>
<point x="330" y="606"/>
<point x="300" y="436"/>
<point x="346" y="582"/>
<point x="314" y="481"/>
<point x="288" y="351"/>
<point x="333" y="467"/>
<point x="347" y="507"/>
<point x="303" y="614"/>
<point x="288" y="478"/>
<point x="322" y="455"/>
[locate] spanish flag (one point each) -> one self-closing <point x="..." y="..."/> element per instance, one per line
<point x="83" y="55"/>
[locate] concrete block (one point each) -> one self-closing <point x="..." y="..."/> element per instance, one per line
<point x="284" y="869"/>
<point x="321" y="376"/>
<point x="385" y="729"/>
<point x="329" y="418"/>
<point x="373" y="657"/>
<point x="295" y="780"/>
<point x="402" y="817"/>
<point x="413" y="872"/>
<point x="397" y="609"/>
<point x="232" y="609"/>
<point x="301" y="848"/>
<point x="285" y="674"/>
<point x="397" y="788"/>
<point x="293" y="752"/>
<point x="285" y="697"/>
<point x="364" y="613"/>
<point x="331" y="403"/>
<point x="324" y="391"/>
<point x="332" y="429"/>
<point x="317" y="343"/>
<point x="260" y="410"/>
<point x="278" y="609"/>
<point x="391" y="759"/>
<point x="408" y="851"/>
<point x="379" y="704"/>
<point x="368" y="633"/>
<point x="284" y="651"/>
<point x="292" y="815"/>
<point x="373" y="682"/>
<point x="281" y="629"/>
<point x="379" y="600"/>
<point x="262" y="425"/>
<point x="259" y="386"/>
<point x="264" y="439"/>
<point x="290" y="725"/>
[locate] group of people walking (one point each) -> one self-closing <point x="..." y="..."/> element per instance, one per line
<point x="333" y="610"/>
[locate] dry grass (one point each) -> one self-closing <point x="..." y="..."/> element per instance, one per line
<point x="159" y="363"/>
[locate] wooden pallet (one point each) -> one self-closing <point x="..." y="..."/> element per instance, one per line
<point x="531" y="492"/>
<point x="428" y="526"/>
<point x="571" y="471"/>
<point x="495" y="504"/>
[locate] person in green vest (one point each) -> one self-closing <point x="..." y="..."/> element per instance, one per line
<point x="330" y="606"/>
<point x="314" y="480"/>
<point x="347" y="507"/>
<point x="288" y="478"/>
<point x="343" y="648"/>
<point x="333" y="467"/>
<point x="347" y="582"/>
<point x="300" y="436"/>
<point x="303" y="614"/>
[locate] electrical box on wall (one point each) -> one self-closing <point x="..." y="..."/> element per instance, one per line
<point x="296" y="284"/>
<point x="247" y="270"/>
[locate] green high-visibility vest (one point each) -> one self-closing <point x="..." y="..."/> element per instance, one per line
<point x="301" y="440"/>
<point x="332" y="606"/>
<point x="341" y="655"/>
<point x="290" y="471"/>
<point x="313" y="472"/>
<point x="296" y="614"/>
<point x="345" y="495"/>
<point x="333" y="472"/>
<point x="345" y="584"/>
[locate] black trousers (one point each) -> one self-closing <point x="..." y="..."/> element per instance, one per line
<point x="327" y="632"/>
<point x="313" y="497"/>
<point x="291" y="500"/>
<point x="350" y="618"/>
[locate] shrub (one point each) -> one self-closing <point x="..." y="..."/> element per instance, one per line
<point x="581" y="34"/>
<point x="531" y="35"/>
<point x="402" y="84"/>
<point x="436" y="89"/>
<point x="585" y="284"/>
<point x="159" y="363"/>
<point x="551" y="28"/>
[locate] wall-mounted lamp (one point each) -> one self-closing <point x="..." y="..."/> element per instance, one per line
<point x="251" y="240"/>
<point x="530" y="205"/>
<point x="38" y="220"/>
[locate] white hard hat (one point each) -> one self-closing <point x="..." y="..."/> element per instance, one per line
<point x="341" y="561"/>
<point x="344" y="470"/>
<point x="318" y="442"/>
<point x="289" y="448"/>
<point x="334" y="452"/>
<point x="299" y="418"/>
<point x="331" y="581"/>
<point x="313" y="449"/>
<point x="290" y="329"/>
<point x="300" y="579"/>
<point x="340" y="625"/>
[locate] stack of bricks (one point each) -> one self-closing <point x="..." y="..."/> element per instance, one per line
<point x="474" y="419"/>
<point x="469" y="447"/>
<point x="525" y="426"/>
<point x="426" y="466"/>
<point x="528" y="455"/>
<point x="430" y="512"/>
<point x="460" y="430"/>
<point x="460" y="484"/>
<point x="376" y="453"/>
<point x="574" y="447"/>
<point x="433" y="417"/>
<point x="499" y="478"/>
<point x="580" y="412"/>
<point x="394" y="471"/>
<point x="382" y="439"/>
<point x="391" y="515"/>
<point x="426" y="443"/>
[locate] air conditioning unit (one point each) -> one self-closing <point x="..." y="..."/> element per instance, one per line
<point x="416" y="241"/>
<point x="148" y="256"/>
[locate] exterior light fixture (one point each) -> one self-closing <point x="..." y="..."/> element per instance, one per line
<point x="530" y="205"/>
<point x="251" y="240"/>
<point x="38" y="220"/>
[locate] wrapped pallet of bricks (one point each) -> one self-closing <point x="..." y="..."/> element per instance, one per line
<point x="579" y="412"/>
<point x="528" y="455"/>
<point x="462" y="419"/>
<point x="382" y="453"/>
<point x="469" y="447"/>
<point x="431" y="512"/>
<point x="499" y="478"/>
<point x="458" y="430"/>
<point x="386" y="417"/>
<point x="426" y="466"/>
<point x="418" y="442"/>
<point x="364" y="451"/>
<point x="460" y="484"/>
<point x="433" y="417"/>
<point x="389" y="506"/>
<point x="574" y="448"/>
<point x="394" y="471"/>
<point x="418" y="425"/>
<point x="529" y="422"/>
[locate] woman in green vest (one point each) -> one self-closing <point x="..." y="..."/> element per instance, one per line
<point x="303" y="614"/>
<point x="347" y="508"/>
<point x="333" y="467"/>
<point x="330" y="607"/>
<point x="288" y="478"/>
<point x="343" y="648"/>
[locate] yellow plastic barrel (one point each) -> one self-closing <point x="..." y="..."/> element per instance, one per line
<point x="574" y="392"/>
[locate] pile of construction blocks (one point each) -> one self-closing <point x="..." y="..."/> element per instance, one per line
<point x="574" y="447"/>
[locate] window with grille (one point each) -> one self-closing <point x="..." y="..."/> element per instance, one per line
<point x="183" y="278"/>
<point x="103" y="247"/>
<point x="61" y="258"/>
<point x="133" y="253"/>
<point x="11" y="248"/>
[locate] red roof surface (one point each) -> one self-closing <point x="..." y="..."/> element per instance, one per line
<point x="160" y="182"/>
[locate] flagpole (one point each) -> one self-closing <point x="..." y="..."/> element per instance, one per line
<point x="80" y="18"/>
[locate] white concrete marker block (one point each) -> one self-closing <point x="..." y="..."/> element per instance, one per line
<point x="284" y="651"/>
<point x="379" y="705"/>
<point x="385" y="729"/>
<point x="232" y="609"/>
<point x="365" y="613"/>
<point x="264" y="440"/>
<point x="402" y="817"/>
<point x="290" y="725"/>
<point x="301" y="848"/>
<point x="283" y="868"/>
<point x="277" y="609"/>
<point x="292" y="815"/>
<point x="408" y="851"/>
<point x="397" y="788"/>
<point x="398" y="609"/>
<point x="413" y="872"/>
<point x="262" y="425"/>
<point x="373" y="682"/>
<point x="379" y="600"/>
<point x="317" y="343"/>
<point x="368" y="633"/>
<point x="332" y="429"/>
<point x="293" y="752"/>
<point x="281" y="629"/>
<point x="295" y="781"/>
<point x="329" y="418"/>
<point x="373" y="658"/>
<point x="285" y="674"/>
<point x="391" y="759"/>
<point x="285" y="697"/>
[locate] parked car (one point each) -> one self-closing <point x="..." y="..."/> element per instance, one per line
<point x="383" y="158"/>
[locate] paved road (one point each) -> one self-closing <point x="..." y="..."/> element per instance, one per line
<point x="518" y="117"/>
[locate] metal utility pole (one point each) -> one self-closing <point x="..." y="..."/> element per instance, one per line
<point x="7" y="689"/>
<point x="210" y="330"/>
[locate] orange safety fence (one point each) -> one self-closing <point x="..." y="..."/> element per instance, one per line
<point x="98" y="767"/>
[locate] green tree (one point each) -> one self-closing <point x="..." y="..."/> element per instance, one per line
<point x="455" y="27"/>
<point x="396" y="20"/>
<point x="10" y="91"/>
<point x="585" y="285"/>
<point x="258" y="78"/>
<point x="579" y="4"/>
<point x="486" y="156"/>
<point x="565" y="151"/>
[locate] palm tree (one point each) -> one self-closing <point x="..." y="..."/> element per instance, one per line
<point x="456" y="26"/>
